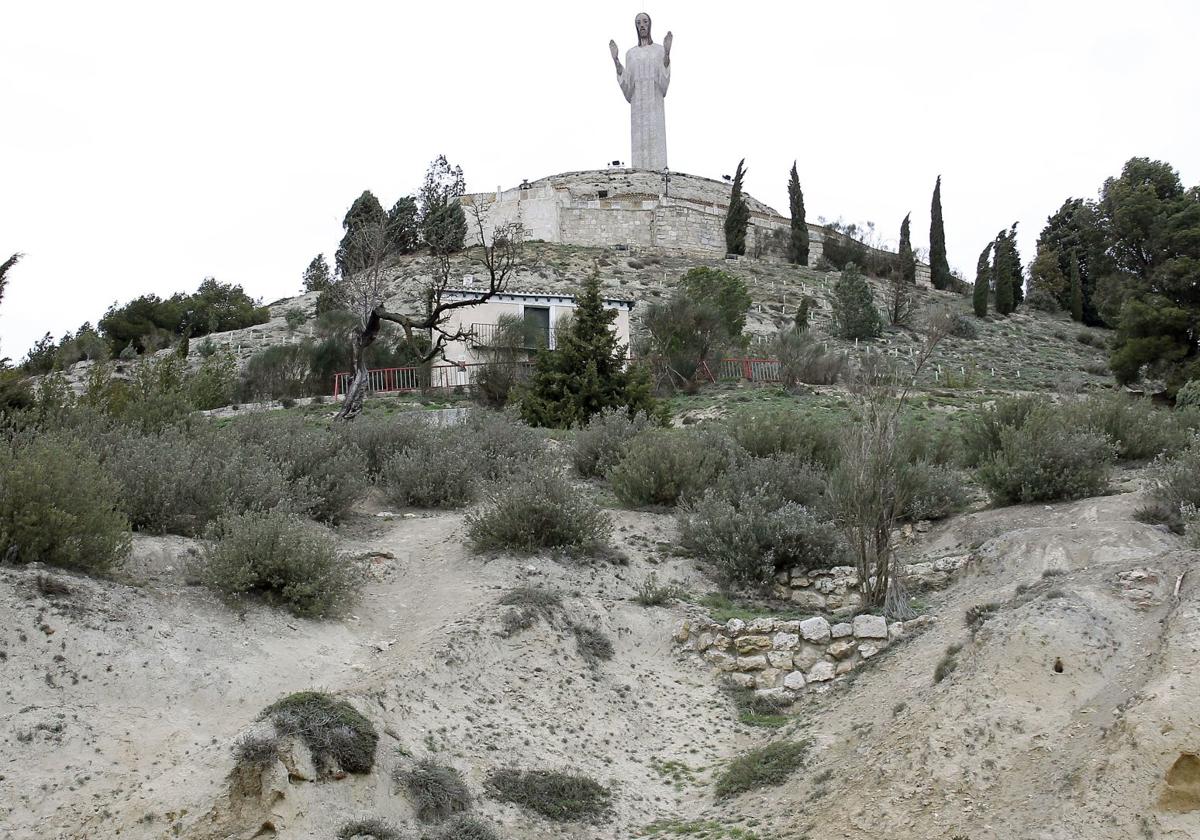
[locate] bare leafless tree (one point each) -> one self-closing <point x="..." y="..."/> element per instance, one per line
<point x="870" y="487"/>
<point x="362" y="288"/>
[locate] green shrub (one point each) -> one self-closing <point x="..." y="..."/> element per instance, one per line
<point x="278" y="555"/>
<point x="529" y="603"/>
<point x="802" y="359"/>
<point x="328" y="474"/>
<point x="765" y="767"/>
<point x="373" y="827"/>
<point x="1174" y="481"/>
<point x="467" y="827"/>
<point x="1046" y="460"/>
<point x="1136" y="428"/>
<point x="539" y="508"/>
<point x="498" y="443"/>
<point x="436" y="791"/>
<point x="599" y="445"/>
<point x="215" y="383"/>
<point x="650" y="593"/>
<point x="435" y="469"/>
<point x="667" y="466"/>
<point x="854" y="312"/>
<point x="932" y="491"/>
<point x="284" y="370"/>
<point x="332" y="729"/>
<point x="174" y="482"/>
<point x="982" y="432"/>
<point x="1189" y="395"/>
<point x="59" y="506"/>
<point x="779" y="431"/>
<point x="563" y="797"/>
<point x="381" y="437"/>
<point x="785" y="477"/>
<point x="750" y="537"/>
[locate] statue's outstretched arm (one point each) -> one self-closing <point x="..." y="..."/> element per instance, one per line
<point x="667" y="49"/>
<point x="616" y="56"/>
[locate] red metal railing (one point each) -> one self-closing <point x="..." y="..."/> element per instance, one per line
<point x="402" y="379"/>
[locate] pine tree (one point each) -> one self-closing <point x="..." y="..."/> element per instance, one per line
<point x="363" y="213"/>
<point x="317" y="277"/>
<point x="1015" y="269"/>
<point x="983" y="277"/>
<point x="854" y="312"/>
<point x="1002" y="276"/>
<point x="587" y="372"/>
<point x="737" y="219"/>
<point x="939" y="267"/>
<point x="1076" y="290"/>
<point x="403" y="231"/>
<point x="798" y="244"/>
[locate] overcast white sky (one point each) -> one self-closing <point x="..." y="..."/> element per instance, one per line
<point x="145" y="146"/>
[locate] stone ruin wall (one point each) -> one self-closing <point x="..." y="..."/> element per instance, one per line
<point x="634" y="214"/>
<point x="780" y="659"/>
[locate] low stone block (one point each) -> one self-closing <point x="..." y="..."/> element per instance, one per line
<point x="870" y="627"/>
<point x="844" y="667"/>
<point x="815" y="630"/>
<point x="761" y="625"/>
<point x="807" y="599"/>
<point x="751" y="663"/>
<point x="683" y="630"/>
<point x="722" y="642"/>
<point x="779" y="697"/>
<point x="768" y="678"/>
<point x="841" y="630"/>
<point x="793" y="681"/>
<point x="734" y="626"/>
<point x="821" y="672"/>
<point x="867" y="651"/>
<point x="704" y="641"/>
<point x="785" y="641"/>
<point x="780" y="659"/>
<point x="842" y="648"/>
<point x="720" y="660"/>
<point x="807" y="655"/>
<point x="756" y="644"/>
<point x="741" y="680"/>
<point x="789" y="627"/>
<point x="895" y="630"/>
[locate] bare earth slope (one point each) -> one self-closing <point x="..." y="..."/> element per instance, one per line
<point x="120" y="703"/>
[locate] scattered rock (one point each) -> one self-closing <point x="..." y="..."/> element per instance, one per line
<point x="815" y="630"/>
<point x="870" y="627"/>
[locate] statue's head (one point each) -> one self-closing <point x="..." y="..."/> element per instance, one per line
<point x="642" y="24"/>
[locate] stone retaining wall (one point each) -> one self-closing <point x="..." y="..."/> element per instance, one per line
<point x="782" y="659"/>
<point x="834" y="591"/>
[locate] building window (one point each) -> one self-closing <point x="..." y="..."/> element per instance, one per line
<point x="537" y="326"/>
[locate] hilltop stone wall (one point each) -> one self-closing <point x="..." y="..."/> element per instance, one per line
<point x="635" y="209"/>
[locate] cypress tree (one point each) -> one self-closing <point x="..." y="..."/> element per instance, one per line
<point x="798" y="244"/>
<point x="939" y="267"/>
<point x="1076" y="289"/>
<point x="737" y="219"/>
<point x="364" y="212"/>
<point x="908" y="260"/>
<point x="1015" y="269"/>
<point x="854" y="312"/>
<point x="1002" y="277"/>
<point x="983" y="276"/>
<point x="317" y="277"/>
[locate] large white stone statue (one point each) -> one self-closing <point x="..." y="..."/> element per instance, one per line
<point x="644" y="80"/>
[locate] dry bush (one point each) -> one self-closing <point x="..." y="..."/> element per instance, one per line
<point x="802" y="359"/>
<point x="332" y="729"/>
<point x="539" y="508"/>
<point x="436" y="790"/>
<point x="562" y="797"/>
<point x="779" y="431"/>
<point x="435" y="469"/>
<point x="1046" y="460"/>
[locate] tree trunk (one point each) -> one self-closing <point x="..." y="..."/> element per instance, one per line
<point x="356" y="393"/>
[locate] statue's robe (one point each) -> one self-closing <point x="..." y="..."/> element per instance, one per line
<point x="644" y="83"/>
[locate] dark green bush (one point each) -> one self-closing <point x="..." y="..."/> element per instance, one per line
<point x="563" y="797"/>
<point x="59" y="506"/>
<point x="802" y="359"/>
<point x="436" y="791"/>
<point x="1174" y="481"/>
<point x="278" y="555"/>
<point x="498" y="443"/>
<point x="932" y="491"/>
<point x="1046" y="460"/>
<point x="767" y="766"/>
<point x="539" y="508"/>
<point x="279" y="372"/>
<point x="599" y="445"/>
<point x="667" y="466"/>
<point x="1135" y="426"/>
<point x="381" y="437"/>
<point x="982" y="432"/>
<point x="779" y="431"/>
<point x="784" y="476"/>
<point x="333" y="730"/>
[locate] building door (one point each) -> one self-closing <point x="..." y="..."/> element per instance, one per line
<point x="537" y="326"/>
